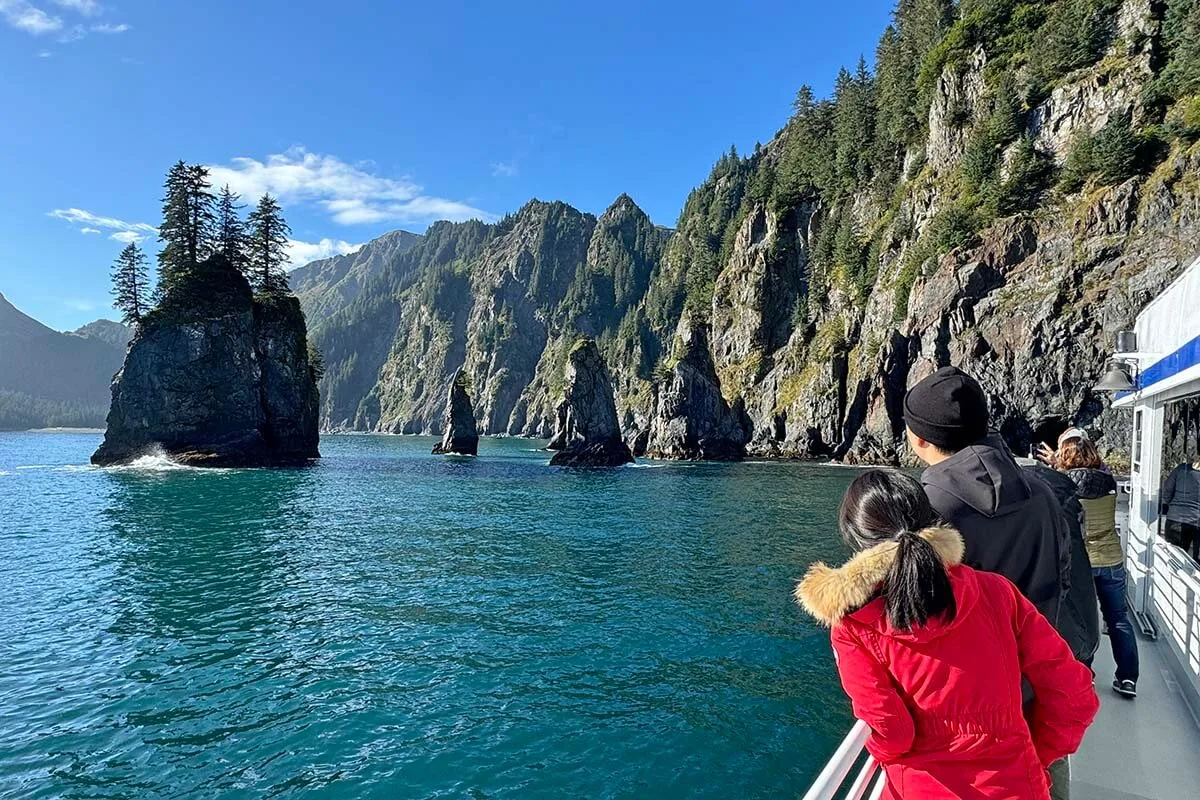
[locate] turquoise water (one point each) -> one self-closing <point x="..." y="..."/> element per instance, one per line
<point x="393" y="624"/>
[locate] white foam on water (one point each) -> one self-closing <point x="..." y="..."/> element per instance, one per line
<point x="157" y="460"/>
<point x="35" y="466"/>
<point x="3" y="473"/>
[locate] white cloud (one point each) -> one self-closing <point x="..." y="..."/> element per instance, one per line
<point x="80" y="305"/>
<point x="504" y="169"/>
<point x="123" y="231"/>
<point x="348" y="193"/>
<point x="44" y="54"/>
<point x="25" y="17"/>
<point x="72" y="34"/>
<point x="300" y="253"/>
<point x="88" y="8"/>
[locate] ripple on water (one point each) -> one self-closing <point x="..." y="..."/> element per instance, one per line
<point x="391" y="624"/>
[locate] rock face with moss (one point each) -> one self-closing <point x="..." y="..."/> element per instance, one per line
<point x="587" y="433"/>
<point x="216" y="377"/>
<point x="1008" y="188"/>
<point x="691" y="419"/>
<point x="462" y="434"/>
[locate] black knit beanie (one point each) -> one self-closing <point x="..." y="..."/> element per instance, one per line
<point x="947" y="409"/>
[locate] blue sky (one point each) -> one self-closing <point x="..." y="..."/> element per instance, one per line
<point x="369" y="116"/>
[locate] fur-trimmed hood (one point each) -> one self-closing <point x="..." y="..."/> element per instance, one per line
<point x="829" y="593"/>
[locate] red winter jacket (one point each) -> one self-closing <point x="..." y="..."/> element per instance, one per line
<point x="944" y="701"/>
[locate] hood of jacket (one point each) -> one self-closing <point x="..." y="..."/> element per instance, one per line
<point x="984" y="476"/>
<point x="831" y="593"/>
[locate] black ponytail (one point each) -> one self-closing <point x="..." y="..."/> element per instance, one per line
<point x="887" y="505"/>
<point x="917" y="588"/>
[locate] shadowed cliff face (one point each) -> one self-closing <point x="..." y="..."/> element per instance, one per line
<point x="225" y="383"/>
<point x="586" y="432"/>
<point x="820" y="306"/>
<point x="462" y="433"/>
<point x="692" y="420"/>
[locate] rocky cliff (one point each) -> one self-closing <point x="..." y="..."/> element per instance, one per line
<point x="105" y="330"/>
<point x="216" y="377"/>
<point x="586" y="431"/>
<point x="462" y="433"/>
<point x="692" y="420"/>
<point x="332" y="283"/>
<point x="1007" y="189"/>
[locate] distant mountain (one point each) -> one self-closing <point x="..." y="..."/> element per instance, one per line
<point x="505" y="302"/>
<point x="106" y="330"/>
<point x="52" y="379"/>
<point x="330" y="284"/>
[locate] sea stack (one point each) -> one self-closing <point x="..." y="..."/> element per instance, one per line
<point x="587" y="433"/>
<point x="216" y="377"/>
<point x="462" y="435"/>
<point x="692" y="420"/>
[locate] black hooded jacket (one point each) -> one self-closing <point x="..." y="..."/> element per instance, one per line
<point x="1011" y="521"/>
<point x="1079" y="616"/>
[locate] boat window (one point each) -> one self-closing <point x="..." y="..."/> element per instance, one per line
<point x="1180" y="448"/>
<point x="1136" y="457"/>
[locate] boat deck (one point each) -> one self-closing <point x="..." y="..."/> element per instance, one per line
<point x="1143" y="749"/>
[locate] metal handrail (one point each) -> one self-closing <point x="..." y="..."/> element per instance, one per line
<point x="870" y="777"/>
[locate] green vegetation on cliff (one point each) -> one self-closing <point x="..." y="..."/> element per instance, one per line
<point x="869" y="234"/>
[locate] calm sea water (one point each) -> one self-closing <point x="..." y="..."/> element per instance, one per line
<point x="392" y="624"/>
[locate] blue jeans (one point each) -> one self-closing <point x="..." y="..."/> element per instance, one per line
<point x="1110" y="589"/>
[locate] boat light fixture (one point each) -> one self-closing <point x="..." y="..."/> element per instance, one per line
<point x="1116" y="378"/>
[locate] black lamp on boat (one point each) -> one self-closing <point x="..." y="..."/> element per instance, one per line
<point x="1116" y="378"/>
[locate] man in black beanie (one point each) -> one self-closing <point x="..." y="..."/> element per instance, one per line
<point x="1010" y="520"/>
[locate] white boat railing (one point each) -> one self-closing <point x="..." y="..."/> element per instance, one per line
<point x="869" y="781"/>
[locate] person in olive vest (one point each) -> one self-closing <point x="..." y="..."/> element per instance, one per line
<point x="1097" y="490"/>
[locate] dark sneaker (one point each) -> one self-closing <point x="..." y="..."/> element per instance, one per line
<point x="1125" y="688"/>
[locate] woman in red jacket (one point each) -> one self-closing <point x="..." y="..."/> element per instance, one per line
<point x="932" y="653"/>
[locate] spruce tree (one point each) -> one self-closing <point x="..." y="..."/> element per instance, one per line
<point x="1181" y="40"/>
<point x="1115" y="151"/>
<point x="921" y="24"/>
<point x="268" y="247"/>
<point x="131" y="287"/>
<point x="188" y="222"/>
<point x="894" y="78"/>
<point x="854" y="126"/>
<point x="173" y="261"/>
<point x="202" y="211"/>
<point x="231" y="229"/>
<point x="1075" y="34"/>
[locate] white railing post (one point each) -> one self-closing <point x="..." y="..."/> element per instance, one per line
<point x="838" y="768"/>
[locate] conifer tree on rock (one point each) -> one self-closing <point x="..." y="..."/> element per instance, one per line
<point x="131" y="284"/>
<point x="187" y="229"/>
<point x="231" y="229"/>
<point x="267" y="248"/>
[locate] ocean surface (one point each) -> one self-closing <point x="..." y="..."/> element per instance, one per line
<point x="391" y="624"/>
